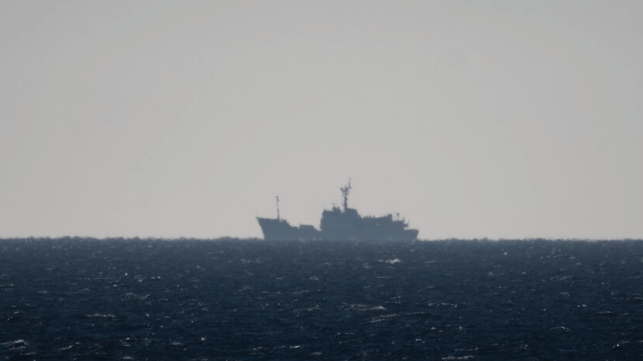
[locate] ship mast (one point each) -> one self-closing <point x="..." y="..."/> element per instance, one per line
<point x="345" y="191"/>
<point x="277" y="207"/>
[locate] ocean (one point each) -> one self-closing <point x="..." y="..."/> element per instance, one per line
<point x="229" y="299"/>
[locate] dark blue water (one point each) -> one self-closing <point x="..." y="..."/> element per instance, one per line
<point x="252" y="300"/>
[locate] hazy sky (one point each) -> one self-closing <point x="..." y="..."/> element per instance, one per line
<point x="499" y="119"/>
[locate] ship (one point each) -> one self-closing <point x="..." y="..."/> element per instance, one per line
<point x="340" y="224"/>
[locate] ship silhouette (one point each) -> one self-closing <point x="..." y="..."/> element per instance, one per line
<point x="340" y="224"/>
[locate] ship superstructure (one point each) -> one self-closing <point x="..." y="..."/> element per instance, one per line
<point x="339" y="224"/>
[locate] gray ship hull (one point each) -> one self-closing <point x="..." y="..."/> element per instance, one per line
<point x="275" y="229"/>
<point x="279" y="229"/>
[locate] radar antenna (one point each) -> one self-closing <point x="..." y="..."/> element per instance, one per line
<point x="277" y="207"/>
<point x="345" y="191"/>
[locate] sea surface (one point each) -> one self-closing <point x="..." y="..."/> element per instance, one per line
<point x="143" y="299"/>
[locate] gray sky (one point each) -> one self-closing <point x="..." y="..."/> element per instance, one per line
<point x="499" y="119"/>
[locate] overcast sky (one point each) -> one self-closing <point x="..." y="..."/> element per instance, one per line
<point x="498" y="119"/>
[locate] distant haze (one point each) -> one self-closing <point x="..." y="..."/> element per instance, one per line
<point x="499" y="119"/>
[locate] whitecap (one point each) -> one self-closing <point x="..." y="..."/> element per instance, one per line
<point x="383" y="318"/>
<point x="467" y="357"/>
<point x="13" y="343"/>
<point x="362" y="307"/>
<point x="102" y="315"/>
<point x="605" y="313"/>
<point x="562" y="328"/>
